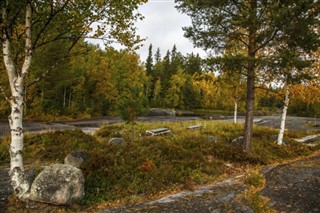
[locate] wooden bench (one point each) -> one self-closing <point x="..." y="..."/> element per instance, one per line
<point x="195" y="127"/>
<point x="159" y="131"/>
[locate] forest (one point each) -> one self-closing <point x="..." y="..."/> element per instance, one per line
<point x="262" y="59"/>
<point x="93" y="82"/>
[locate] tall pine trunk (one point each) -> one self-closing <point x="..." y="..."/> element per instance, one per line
<point x="248" y="131"/>
<point x="283" y="116"/>
<point x="16" y="81"/>
<point x="249" y="111"/>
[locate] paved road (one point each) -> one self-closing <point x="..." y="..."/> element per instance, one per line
<point x="293" y="122"/>
<point x="84" y="124"/>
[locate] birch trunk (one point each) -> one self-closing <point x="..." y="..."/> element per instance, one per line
<point x="16" y="80"/>
<point x="235" y="110"/>
<point x="283" y="116"/>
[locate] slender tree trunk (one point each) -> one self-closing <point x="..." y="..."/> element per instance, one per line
<point x="250" y="80"/>
<point x="64" y="97"/>
<point x="283" y="116"/>
<point x="69" y="101"/>
<point x="16" y="80"/>
<point x="235" y="110"/>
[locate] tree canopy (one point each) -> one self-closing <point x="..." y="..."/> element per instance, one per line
<point x="265" y="30"/>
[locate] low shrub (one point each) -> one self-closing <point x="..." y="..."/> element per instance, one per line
<point x="153" y="164"/>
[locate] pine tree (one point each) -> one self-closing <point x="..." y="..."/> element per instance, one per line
<point x="258" y="26"/>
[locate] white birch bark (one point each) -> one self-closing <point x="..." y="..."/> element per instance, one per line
<point x="235" y="110"/>
<point x="283" y="116"/>
<point x="16" y="81"/>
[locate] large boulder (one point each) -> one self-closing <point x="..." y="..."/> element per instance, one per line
<point x="58" y="184"/>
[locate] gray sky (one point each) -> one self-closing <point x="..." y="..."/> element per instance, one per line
<point x="162" y="26"/>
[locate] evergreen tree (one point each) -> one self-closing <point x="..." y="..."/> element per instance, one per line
<point x="259" y="26"/>
<point x="165" y="74"/>
<point x="150" y="74"/>
<point x="149" y="62"/>
<point x="157" y="55"/>
<point x="192" y="64"/>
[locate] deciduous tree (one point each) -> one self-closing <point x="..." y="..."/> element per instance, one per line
<point x="27" y="25"/>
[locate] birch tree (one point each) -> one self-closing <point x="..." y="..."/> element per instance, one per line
<point x="283" y="115"/>
<point x="232" y="85"/>
<point x="29" y="24"/>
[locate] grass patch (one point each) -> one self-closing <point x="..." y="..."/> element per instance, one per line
<point x="252" y="196"/>
<point x="154" y="164"/>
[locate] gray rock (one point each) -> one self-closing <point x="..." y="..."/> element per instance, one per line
<point x="117" y="141"/>
<point x="161" y="112"/>
<point x="238" y="140"/>
<point x="58" y="184"/>
<point x="31" y="175"/>
<point x="212" y="139"/>
<point x="75" y="158"/>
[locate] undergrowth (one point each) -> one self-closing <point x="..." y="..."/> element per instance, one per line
<point x="252" y="196"/>
<point x="154" y="164"/>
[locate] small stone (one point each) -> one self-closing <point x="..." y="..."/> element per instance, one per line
<point x="238" y="140"/>
<point x="212" y="139"/>
<point x="75" y="158"/>
<point x="117" y="141"/>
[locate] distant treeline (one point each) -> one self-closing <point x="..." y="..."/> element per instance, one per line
<point x="92" y="82"/>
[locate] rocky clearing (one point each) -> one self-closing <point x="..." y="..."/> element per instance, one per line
<point x="291" y="187"/>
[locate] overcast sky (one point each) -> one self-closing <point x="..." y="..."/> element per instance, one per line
<point x="162" y="26"/>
